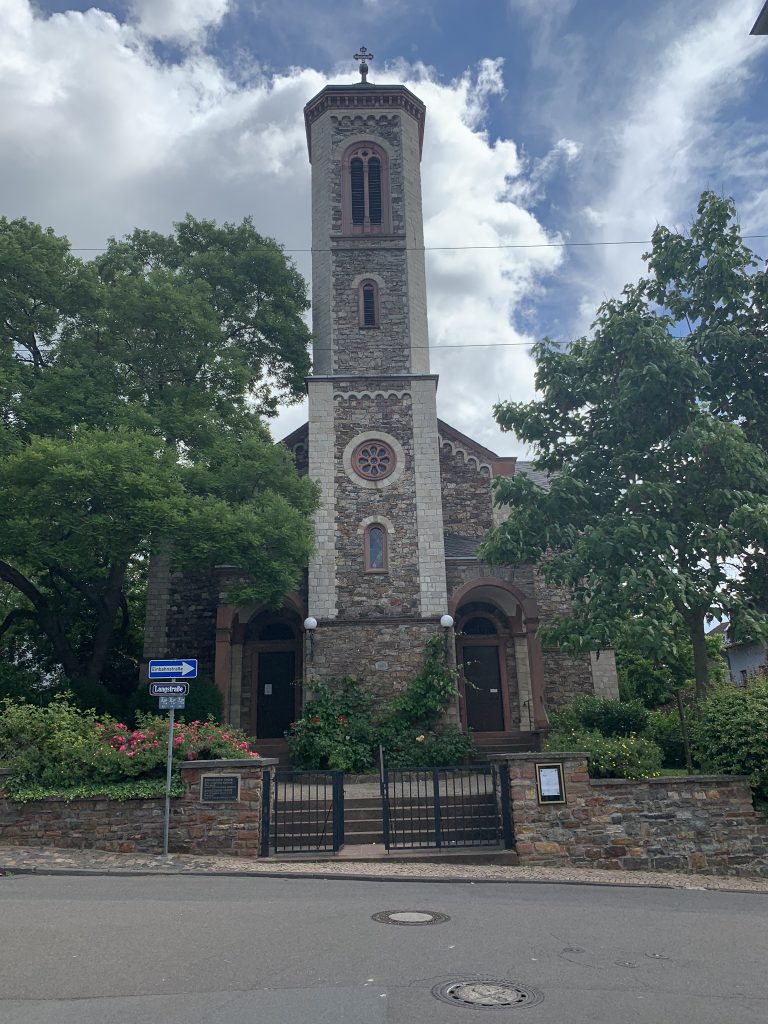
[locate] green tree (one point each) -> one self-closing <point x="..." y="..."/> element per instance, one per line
<point x="653" y="668"/>
<point x="710" y="283"/>
<point x="132" y="391"/>
<point x="658" y="493"/>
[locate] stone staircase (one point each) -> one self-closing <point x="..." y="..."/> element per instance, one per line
<point x="487" y="744"/>
<point x="275" y="748"/>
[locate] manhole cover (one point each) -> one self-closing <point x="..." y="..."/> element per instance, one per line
<point x="410" y="917"/>
<point x="486" y="993"/>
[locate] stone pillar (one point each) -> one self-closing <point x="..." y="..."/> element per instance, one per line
<point x="536" y="663"/>
<point x="525" y="694"/>
<point x="429" y="502"/>
<point x="322" y="569"/>
<point x="231" y="827"/>
<point x="225" y="616"/>
<point x="542" y="836"/>
<point x="605" y="680"/>
<point x="156" y="618"/>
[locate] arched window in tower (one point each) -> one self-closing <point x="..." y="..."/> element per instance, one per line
<point x="376" y="548"/>
<point x="365" y="195"/>
<point x="368" y="304"/>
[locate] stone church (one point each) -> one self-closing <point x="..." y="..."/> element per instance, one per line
<point x="405" y="497"/>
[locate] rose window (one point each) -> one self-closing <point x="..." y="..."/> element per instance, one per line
<point x="373" y="460"/>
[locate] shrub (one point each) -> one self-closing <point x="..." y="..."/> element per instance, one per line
<point x="60" y="747"/>
<point x="203" y="702"/>
<point x="611" y="757"/>
<point x="431" y="692"/>
<point x="334" y="730"/>
<point x="665" y="730"/>
<point x="407" y="747"/>
<point x="729" y="734"/>
<point x="337" y="728"/>
<point x="596" y="714"/>
<point x="412" y="732"/>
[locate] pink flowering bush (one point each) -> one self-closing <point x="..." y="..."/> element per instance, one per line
<point x="60" y="746"/>
<point x="140" y="751"/>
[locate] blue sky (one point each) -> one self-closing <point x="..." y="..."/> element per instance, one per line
<point x="549" y="121"/>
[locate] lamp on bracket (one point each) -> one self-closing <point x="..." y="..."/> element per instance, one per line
<point x="310" y="625"/>
<point x="446" y="621"/>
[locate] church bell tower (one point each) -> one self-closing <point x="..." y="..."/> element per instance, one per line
<point x="377" y="584"/>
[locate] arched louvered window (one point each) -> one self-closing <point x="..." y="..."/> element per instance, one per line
<point x="376" y="548"/>
<point x="366" y="188"/>
<point x="374" y="190"/>
<point x="357" y="186"/>
<point x="368" y="304"/>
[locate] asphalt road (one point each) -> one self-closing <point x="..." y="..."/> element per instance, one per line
<point x="202" y="950"/>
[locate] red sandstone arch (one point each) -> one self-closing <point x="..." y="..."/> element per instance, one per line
<point x="531" y="623"/>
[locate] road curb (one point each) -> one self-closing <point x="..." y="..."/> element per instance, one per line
<point x="332" y="877"/>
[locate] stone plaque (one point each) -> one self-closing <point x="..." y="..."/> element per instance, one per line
<point x="220" y="789"/>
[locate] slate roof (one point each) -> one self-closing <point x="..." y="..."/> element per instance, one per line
<point x="537" y="476"/>
<point x="457" y="546"/>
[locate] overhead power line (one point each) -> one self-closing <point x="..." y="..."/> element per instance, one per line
<point x="458" y="248"/>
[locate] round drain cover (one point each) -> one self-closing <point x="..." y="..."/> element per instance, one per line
<point x="486" y="994"/>
<point x="410" y="917"/>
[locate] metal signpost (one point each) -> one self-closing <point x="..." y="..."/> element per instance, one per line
<point x="172" y="695"/>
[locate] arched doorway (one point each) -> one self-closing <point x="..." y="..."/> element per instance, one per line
<point x="481" y="643"/>
<point x="499" y="656"/>
<point x="272" y="673"/>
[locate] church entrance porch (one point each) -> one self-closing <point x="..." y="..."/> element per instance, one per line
<point x="500" y="669"/>
<point x="485" y="686"/>
<point x="271" y="675"/>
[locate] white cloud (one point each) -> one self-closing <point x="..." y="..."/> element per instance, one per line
<point x="178" y="20"/>
<point x="99" y="136"/>
<point x="659" y="133"/>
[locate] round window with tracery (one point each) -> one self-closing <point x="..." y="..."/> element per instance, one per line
<point x="373" y="460"/>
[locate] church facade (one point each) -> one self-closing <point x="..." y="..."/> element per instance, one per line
<point x="404" y="497"/>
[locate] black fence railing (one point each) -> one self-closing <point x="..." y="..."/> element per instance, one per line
<point x="442" y="807"/>
<point x="306" y="810"/>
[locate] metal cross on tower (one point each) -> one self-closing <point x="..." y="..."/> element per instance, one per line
<point x="363" y="56"/>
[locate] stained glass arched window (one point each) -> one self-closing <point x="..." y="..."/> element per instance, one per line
<point x="375" y="548"/>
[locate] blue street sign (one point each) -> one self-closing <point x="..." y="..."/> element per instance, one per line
<point x="180" y="668"/>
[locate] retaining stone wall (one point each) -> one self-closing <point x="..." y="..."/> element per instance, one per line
<point x="703" y="823"/>
<point x="136" y="826"/>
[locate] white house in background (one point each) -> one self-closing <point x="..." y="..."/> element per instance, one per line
<point x="743" y="659"/>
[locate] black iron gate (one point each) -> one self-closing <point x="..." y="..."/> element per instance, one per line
<point x="446" y="807"/>
<point x="302" y="812"/>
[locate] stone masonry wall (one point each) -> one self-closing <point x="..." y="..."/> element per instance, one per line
<point x="383" y="655"/>
<point x="467" y="506"/>
<point x="381" y="349"/>
<point x="181" y="615"/>
<point x="461" y="571"/>
<point x="700" y="823"/>
<point x="136" y="826"/>
<point x="361" y="593"/>
<point x="567" y="675"/>
<point x="191" y="618"/>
